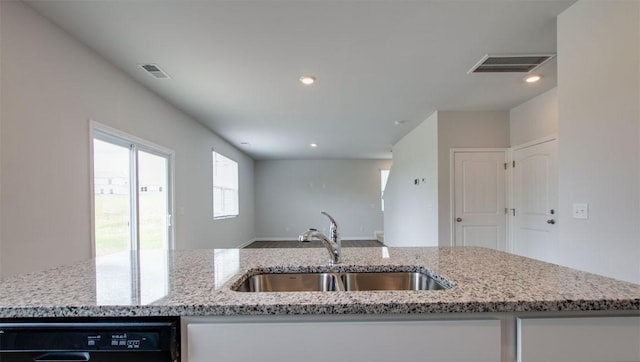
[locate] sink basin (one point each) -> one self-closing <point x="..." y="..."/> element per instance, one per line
<point x="345" y="281"/>
<point x="389" y="281"/>
<point x="302" y="282"/>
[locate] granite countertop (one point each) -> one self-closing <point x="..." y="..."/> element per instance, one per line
<point x="198" y="283"/>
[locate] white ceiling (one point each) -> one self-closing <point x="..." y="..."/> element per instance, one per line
<point x="234" y="65"/>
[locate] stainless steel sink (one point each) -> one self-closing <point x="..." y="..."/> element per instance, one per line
<point x="346" y="281"/>
<point x="389" y="281"/>
<point x="308" y="282"/>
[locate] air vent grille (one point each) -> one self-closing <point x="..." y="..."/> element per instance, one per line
<point x="510" y="63"/>
<point x="155" y="71"/>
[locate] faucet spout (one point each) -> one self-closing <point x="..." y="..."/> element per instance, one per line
<point x="333" y="243"/>
<point x="307" y="235"/>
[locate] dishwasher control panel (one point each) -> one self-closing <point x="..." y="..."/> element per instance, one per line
<point x="106" y="337"/>
<point x="11" y="339"/>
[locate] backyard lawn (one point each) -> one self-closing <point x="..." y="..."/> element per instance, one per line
<point x="112" y="222"/>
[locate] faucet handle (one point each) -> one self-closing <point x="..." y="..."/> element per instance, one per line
<point x="334" y="224"/>
<point x="333" y="221"/>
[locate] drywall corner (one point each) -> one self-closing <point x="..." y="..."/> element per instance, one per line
<point x="411" y="195"/>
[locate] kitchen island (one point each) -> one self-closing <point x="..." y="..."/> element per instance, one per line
<point x="495" y="295"/>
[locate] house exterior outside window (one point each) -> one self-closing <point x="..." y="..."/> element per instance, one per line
<point x="225" y="187"/>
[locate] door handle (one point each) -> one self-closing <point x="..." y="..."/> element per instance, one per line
<point x="551" y="221"/>
<point x="459" y="219"/>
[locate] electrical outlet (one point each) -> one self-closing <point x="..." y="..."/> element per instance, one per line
<point x="581" y="211"/>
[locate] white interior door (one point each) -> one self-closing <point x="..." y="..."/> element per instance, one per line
<point x="535" y="195"/>
<point x="479" y="199"/>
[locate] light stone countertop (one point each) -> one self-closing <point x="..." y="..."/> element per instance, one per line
<point x="197" y="283"/>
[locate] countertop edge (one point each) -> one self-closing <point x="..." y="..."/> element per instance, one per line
<point x="632" y="305"/>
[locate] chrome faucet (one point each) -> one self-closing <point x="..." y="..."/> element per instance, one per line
<point x="333" y="244"/>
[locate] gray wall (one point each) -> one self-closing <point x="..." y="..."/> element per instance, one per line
<point x="51" y="85"/>
<point x="534" y="119"/>
<point x="1" y="102"/>
<point x="411" y="210"/>
<point x="599" y="143"/>
<point x="291" y="193"/>
<point x="464" y="130"/>
<point x="420" y="215"/>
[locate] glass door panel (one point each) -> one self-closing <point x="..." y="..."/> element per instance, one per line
<point x="153" y="211"/>
<point x="111" y="169"/>
<point x="153" y="203"/>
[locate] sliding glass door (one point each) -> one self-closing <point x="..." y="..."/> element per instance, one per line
<point x="132" y="195"/>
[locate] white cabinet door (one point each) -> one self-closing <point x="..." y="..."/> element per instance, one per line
<point x="579" y="339"/>
<point x="442" y="341"/>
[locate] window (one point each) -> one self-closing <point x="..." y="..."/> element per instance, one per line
<point x="225" y="187"/>
<point x="384" y="175"/>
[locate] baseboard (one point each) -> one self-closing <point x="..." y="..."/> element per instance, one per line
<point x="368" y="237"/>
<point x="289" y="238"/>
<point x="284" y="238"/>
<point x="246" y="243"/>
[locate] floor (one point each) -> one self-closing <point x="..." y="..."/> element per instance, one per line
<point x="312" y="244"/>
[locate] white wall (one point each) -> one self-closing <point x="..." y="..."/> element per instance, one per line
<point x="291" y="193"/>
<point x="0" y="140"/>
<point x="599" y="147"/>
<point x="464" y="130"/>
<point x="51" y="85"/>
<point x="534" y="119"/>
<point x="411" y="211"/>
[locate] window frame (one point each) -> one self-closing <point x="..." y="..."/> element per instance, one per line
<point x="226" y="214"/>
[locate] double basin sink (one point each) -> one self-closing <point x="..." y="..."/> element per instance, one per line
<point x="341" y="281"/>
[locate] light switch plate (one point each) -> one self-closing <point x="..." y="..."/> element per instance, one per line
<point x="581" y="211"/>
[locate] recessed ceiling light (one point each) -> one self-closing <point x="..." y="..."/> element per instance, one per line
<point x="307" y="79"/>
<point x="532" y="78"/>
<point x="313" y="145"/>
<point x="397" y="123"/>
<point x="244" y="143"/>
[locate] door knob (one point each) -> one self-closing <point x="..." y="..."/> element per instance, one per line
<point x="551" y="221"/>
<point x="459" y="219"/>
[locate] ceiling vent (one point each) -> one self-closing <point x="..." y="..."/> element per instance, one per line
<point x="510" y="63"/>
<point x="155" y="71"/>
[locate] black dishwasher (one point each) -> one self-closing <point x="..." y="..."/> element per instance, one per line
<point x="90" y="339"/>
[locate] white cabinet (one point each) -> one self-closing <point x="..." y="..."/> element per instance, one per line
<point x="579" y="339"/>
<point x="335" y="341"/>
